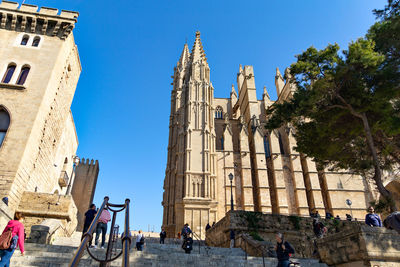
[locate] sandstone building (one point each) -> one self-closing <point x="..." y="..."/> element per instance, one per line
<point x="209" y="138"/>
<point x="39" y="71"/>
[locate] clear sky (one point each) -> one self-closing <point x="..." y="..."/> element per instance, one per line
<point x="128" y="50"/>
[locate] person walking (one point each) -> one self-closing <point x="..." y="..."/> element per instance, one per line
<point x="18" y="239"/>
<point x="139" y="241"/>
<point x="89" y="216"/>
<point x="283" y="251"/>
<point x="104" y="218"/>
<point x="372" y="219"/>
<point x="163" y="235"/>
<point x="208" y="226"/>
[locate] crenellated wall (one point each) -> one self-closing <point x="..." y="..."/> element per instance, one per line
<point x="84" y="187"/>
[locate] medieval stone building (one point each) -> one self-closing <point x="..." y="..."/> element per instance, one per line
<point x="39" y="71"/>
<point x="209" y="138"/>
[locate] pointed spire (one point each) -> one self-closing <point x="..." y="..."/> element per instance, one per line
<point x="240" y="68"/>
<point x="197" y="50"/>
<point x="266" y="93"/>
<point x="233" y="91"/>
<point x="184" y="56"/>
<point x="278" y="73"/>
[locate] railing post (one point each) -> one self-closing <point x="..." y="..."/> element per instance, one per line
<point x="87" y="236"/>
<point x="110" y="244"/>
<point x="126" y="241"/>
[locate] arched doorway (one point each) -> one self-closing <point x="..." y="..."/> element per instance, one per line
<point x="394" y="188"/>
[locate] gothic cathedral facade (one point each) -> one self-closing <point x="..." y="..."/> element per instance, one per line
<point x="210" y="138"/>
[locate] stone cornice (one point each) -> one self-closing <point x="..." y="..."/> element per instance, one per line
<point x="46" y="21"/>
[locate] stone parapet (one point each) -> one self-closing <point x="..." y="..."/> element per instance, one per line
<point x="37" y="207"/>
<point x="46" y="21"/>
<point x="361" y="245"/>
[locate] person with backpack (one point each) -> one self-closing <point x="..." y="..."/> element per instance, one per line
<point x="89" y="216"/>
<point x="139" y="241"/>
<point x="283" y="250"/>
<point x="185" y="233"/>
<point x="12" y="237"/>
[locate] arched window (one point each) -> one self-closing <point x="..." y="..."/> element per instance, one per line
<point x="4" y="123"/>
<point x="36" y="41"/>
<point x="23" y="75"/>
<point x="266" y="147"/>
<point x="25" y="40"/>
<point x="9" y="73"/>
<point x="219" y="113"/>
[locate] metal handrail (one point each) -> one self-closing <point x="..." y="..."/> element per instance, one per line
<point x="246" y="241"/>
<point x="88" y="236"/>
<point x="197" y="238"/>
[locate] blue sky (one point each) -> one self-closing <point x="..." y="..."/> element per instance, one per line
<point x="128" y="50"/>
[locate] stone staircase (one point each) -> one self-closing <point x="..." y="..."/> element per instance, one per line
<point x="154" y="254"/>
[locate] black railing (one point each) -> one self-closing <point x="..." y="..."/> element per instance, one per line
<point x="260" y="248"/>
<point x="198" y="239"/>
<point x="88" y="236"/>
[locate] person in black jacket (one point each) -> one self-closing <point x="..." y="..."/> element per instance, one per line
<point x="89" y="216"/>
<point x="283" y="251"/>
<point x="163" y="235"/>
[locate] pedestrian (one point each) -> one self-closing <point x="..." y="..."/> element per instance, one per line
<point x="349" y="217"/>
<point x="163" y="235"/>
<point x="337" y="218"/>
<point x="372" y="219"/>
<point x="17" y="239"/>
<point x="89" y="216"/>
<point x="208" y="226"/>
<point x="139" y="241"/>
<point x="104" y="218"/>
<point x="317" y="216"/>
<point x="213" y="224"/>
<point x="319" y="228"/>
<point x="232" y="236"/>
<point x="393" y="221"/>
<point x="283" y="251"/>
<point x="186" y="231"/>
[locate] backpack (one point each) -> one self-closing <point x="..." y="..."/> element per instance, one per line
<point x="142" y="240"/>
<point x="5" y="239"/>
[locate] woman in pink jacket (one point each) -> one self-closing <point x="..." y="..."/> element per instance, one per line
<point x="17" y="230"/>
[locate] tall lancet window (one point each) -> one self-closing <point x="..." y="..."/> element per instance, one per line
<point x="4" y="123"/>
<point x="281" y="147"/>
<point x="266" y="147"/>
<point x="219" y="113"/>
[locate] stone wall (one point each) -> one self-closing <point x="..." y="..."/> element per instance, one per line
<point x="37" y="207"/>
<point x="358" y="245"/>
<point x="345" y="244"/>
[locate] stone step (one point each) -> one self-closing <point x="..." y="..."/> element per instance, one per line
<point x="154" y="254"/>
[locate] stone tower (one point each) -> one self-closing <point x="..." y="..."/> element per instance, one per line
<point x="190" y="180"/>
<point x="210" y="138"/>
<point x="85" y="181"/>
<point x="39" y="72"/>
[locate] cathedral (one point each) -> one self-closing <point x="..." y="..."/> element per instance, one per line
<point x="220" y="144"/>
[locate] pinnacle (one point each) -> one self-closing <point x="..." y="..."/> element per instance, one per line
<point x="197" y="50"/>
<point x="184" y="56"/>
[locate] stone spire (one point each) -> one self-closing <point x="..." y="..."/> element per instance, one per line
<point x="197" y="50"/>
<point x="265" y="94"/>
<point x="184" y="56"/>
<point x="279" y="82"/>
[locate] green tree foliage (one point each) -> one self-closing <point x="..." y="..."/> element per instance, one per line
<point x="346" y="110"/>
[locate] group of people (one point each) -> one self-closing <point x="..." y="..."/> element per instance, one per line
<point x="101" y="227"/>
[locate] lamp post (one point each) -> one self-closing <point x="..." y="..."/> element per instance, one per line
<point x="348" y="202"/>
<point x="75" y="160"/>
<point x="231" y="179"/>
